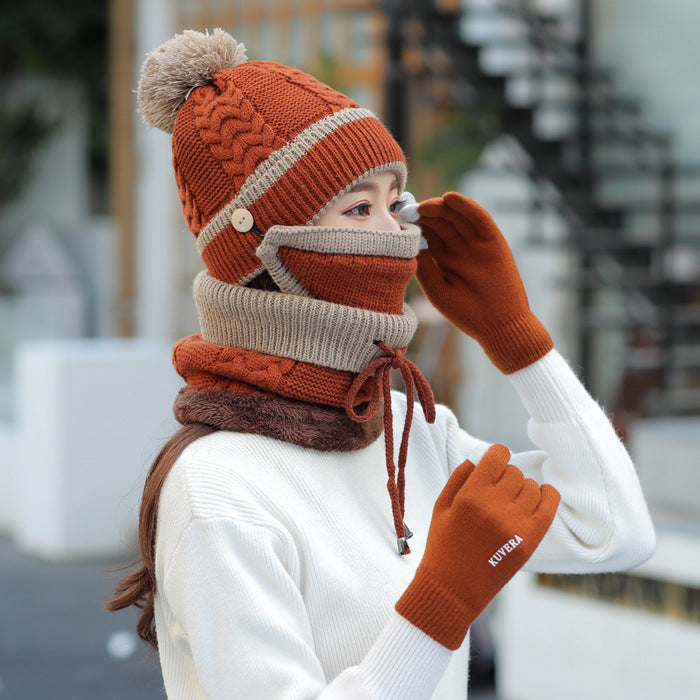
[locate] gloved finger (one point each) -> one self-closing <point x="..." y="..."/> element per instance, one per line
<point x="449" y="252"/>
<point x="454" y="484"/>
<point x="468" y="219"/>
<point x="453" y="236"/>
<point x="448" y="224"/>
<point x="431" y="276"/>
<point x="549" y="502"/>
<point x="431" y="207"/>
<point x="510" y="481"/>
<point x="436" y="244"/>
<point x="491" y="466"/>
<point x="451" y="206"/>
<point x="529" y="496"/>
<point x="467" y="209"/>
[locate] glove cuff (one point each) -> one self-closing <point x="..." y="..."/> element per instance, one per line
<point x="436" y="610"/>
<point x="514" y="345"/>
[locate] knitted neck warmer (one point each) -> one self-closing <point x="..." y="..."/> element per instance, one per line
<point x="329" y="337"/>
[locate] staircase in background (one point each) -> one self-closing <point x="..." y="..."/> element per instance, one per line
<point x="632" y="210"/>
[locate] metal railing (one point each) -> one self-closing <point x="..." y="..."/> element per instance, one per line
<point x="610" y="253"/>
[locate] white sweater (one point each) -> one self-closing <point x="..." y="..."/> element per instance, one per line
<point x="277" y="566"/>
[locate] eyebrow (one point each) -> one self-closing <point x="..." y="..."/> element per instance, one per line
<point x="367" y="186"/>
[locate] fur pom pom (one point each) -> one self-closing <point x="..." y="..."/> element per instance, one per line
<point x="173" y="70"/>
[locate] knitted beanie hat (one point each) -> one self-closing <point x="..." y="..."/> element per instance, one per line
<point x="255" y="144"/>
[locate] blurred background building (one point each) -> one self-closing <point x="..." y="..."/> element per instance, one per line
<point x="575" y="122"/>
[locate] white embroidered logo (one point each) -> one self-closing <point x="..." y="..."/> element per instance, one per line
<point x="509" y="546"/>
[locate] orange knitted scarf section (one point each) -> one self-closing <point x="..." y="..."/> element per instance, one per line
<point x="204" y="365"/>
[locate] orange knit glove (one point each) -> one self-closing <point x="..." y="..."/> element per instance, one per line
<point x="486" y="523"/>
<point x="470" y="276"/>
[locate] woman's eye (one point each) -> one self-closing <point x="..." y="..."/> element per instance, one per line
<point x="395" y="206"/>
<point x="359" y="210"/>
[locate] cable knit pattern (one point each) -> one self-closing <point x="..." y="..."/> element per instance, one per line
<point x="277" y="164"/>
<point x="330" y="96"/>
<point x="205" y="365"/>
<point x="237" y="135"/>
<point x="226" y="137"/>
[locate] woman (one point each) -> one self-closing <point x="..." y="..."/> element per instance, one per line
<point x="274" y="563"/>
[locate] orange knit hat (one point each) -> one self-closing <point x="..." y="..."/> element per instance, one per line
<point x="255" y="144"/>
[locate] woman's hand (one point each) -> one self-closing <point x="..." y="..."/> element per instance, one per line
<point x="486" y="524"/>
<point x="468" y="273"/>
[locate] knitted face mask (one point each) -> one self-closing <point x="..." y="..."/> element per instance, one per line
<point x="355" y="267"/>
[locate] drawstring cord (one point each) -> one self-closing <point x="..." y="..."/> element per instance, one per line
<point x="413" y="379"/>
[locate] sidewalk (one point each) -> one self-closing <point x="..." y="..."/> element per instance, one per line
<point x="57" y="641"/>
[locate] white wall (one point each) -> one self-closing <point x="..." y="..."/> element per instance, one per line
<point x="8" y="462"/>
<point x="561" y="646"/>
<point x="665" y="452"/>
<point x="91" y="416"/>
<point x="653" y="47"/>
<point x="58" y="189"/>
<point x="57" y="259"/>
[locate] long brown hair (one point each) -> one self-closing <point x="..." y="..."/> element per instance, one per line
<point x="139" y="587"/>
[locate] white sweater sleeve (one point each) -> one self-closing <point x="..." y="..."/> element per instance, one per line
<point x="231" y="585"/>
<point x="602" y="523"/>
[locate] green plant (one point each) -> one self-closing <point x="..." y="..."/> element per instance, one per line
<point x="22" y="128"/>
<point x="456" y="146"/>
<point x="50" y="39"/>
